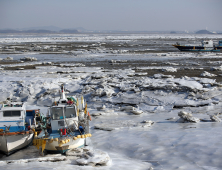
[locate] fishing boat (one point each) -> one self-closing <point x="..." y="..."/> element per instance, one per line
<point x="67" y="126"/>
<point x="206" y="46"/>
<point x="15" y="133"/>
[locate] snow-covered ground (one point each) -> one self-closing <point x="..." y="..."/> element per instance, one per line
<point x="134" y="116"/>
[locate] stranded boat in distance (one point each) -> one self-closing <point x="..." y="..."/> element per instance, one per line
<point x="206" y="46"/>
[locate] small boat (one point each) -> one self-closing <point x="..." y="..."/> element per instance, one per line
<point x="206" y="46"/>
<point x="67" y="126"/>
<point x="15" y="133"/>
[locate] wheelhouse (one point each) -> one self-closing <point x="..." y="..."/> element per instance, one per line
<point x="63" y="112"/>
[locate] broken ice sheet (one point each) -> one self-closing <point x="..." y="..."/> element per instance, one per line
<point x="118" y="124"/>
<point x="187" y="117"/>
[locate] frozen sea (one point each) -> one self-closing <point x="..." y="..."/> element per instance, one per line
<point x="119" y="75"/>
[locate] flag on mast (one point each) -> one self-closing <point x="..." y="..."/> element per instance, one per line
<point x="85" y="109"/>
<point x="77" y="104"/>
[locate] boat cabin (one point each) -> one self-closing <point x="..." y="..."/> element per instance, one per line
<point x="63" y="113"/>
<point x="12" y="117"/>
<point x="62" y="116"/>
<point x="207" y="43"/>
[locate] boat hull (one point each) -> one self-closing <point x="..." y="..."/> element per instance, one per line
<point x="55" y="147"/>
<point x="12" y="143"/>
<point x="198" y="48"/>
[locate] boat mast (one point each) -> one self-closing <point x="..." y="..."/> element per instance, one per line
<point x="63" y="92"/>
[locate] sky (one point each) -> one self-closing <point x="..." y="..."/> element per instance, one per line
<point x="131" y="15"/>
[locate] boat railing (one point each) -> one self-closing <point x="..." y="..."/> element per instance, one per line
<point x="13" y="105"/>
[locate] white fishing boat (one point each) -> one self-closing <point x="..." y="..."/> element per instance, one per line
<point x="68" y="127"/>
<point x="14" y="133"/>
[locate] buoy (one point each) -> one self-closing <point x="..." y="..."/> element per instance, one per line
<point x="36" y="134"/>
<point x="62" y="142"/>
<point x="78" y="136"/>
<point x="85" y="136"/>
<point x="56" y="139"/>
<point x="75" y="138"/>
<point x="51" y="140"/>
<point x="82" y="136"/>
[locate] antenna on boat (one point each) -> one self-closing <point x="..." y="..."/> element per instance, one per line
<point x="63" y="98"/>
<point x="63" y="92"/>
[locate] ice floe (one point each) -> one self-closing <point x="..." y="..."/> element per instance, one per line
<point x="28" y="59"/>
<point x="207" y="74"/>
<point x="187" y="117"/>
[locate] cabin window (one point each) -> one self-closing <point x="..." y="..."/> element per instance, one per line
<point x="11" y="113"/>
<point x="70" y="112"/>
<point x="57" y="113"/>
<point x="206" y="42"/>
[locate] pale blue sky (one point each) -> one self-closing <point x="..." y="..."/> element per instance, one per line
<point x="134" y="15"/>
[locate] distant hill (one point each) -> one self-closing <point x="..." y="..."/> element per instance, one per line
<point x="43" y="30"/>
<point x="77" y="30"/>
<point x="38" y="31"/>
<point x="203" y="32"/>
<point x="50" y="28"/>
<point x="26" y="31"/>
<point x="10" y="31"/>
<point x="69" y="31"/>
